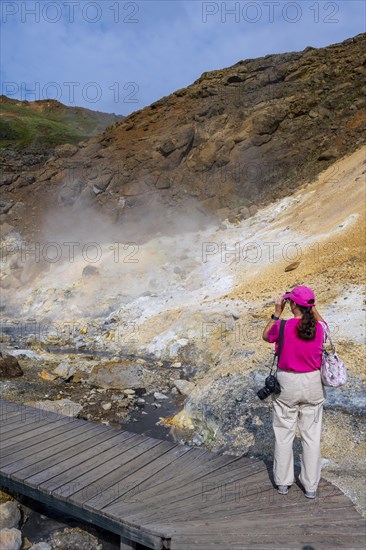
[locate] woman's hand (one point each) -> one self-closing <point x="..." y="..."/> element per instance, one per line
<point x="279" y="305"/>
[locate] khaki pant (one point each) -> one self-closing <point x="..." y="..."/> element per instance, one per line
<point x="300" y="404"/>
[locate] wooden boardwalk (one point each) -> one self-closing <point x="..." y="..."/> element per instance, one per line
<point x="164" y="495"/>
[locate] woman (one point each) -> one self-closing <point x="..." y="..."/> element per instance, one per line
<point x="300" y="402"/>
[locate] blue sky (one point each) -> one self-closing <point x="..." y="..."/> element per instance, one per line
<point x="119" y="56"/>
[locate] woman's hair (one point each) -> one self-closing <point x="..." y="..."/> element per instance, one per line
<point x="306" y="329"/>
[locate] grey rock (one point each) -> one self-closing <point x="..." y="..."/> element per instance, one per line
<point x="74" y="539"/>
<point x="69" y="193"/>
<point x="64" y="370"/>
<point x="24" y="181"/>
<point x="9" y="514"/>
<point x="7" y="179"/>
<point x="197" y="439"/>
<point x="120" y="375"/>
<point x="90" y="271"/>
<point x="184" y="386"/>
<point x="65" y="407"/>
<point x="5" y="229"/>
<point x="66" y="150"/>
<point x="159" y="395"/>
<point x="349" y="398"/>
<point x="5" y="206"/>
<point x="10" y="539"/>
<point x="97" y="190"/>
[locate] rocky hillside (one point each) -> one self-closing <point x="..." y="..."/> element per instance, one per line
<point x="47" y="123"/>
<point x="233" y="140"/>
<point x="32" y="132"/>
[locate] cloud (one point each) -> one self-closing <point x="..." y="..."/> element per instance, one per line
<point x="169" y="45"/>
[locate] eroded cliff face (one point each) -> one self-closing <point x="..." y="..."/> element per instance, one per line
<point x="236" y="138"/>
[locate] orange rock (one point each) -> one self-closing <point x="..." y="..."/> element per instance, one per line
<point x="47" y="375"/>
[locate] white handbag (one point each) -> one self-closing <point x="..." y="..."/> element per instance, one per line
<point x="333" y="370"/>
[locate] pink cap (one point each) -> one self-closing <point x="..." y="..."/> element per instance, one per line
<point x="301" y="295"/>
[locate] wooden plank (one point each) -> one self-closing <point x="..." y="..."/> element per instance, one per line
<point x="239" y="532"/>
<point x="39" y="414"/>
<point x="240" y="511"/>
<point x="269" y="541"/>
<point x="276" y="522"/>
<point x="91" y="478"/>
<point x="172" y="470"/>
<point x="158" y="479"/>
<point x="23" y="424"/>
<point x="67" y="470"/>
<point x="29" y="465"/>
<point x="189" y="478"/>
<point x="147" y="537"/>
<point x="28" y="432"/>
<point x="49" y="443"/>
<point x="90" y="472"/>
<point x="171" y="496"/>
<point x="65" y="478"/>
<point x="9" y="409"/>
<point x="253" y="500"/>
<point x="120" y="472"/>
<point x="26" y="424"/>
<point x="39" y="435"/>
<point x="9" y="417"/>
<point x="259" y="493"/>
<point x="130" y="491"/>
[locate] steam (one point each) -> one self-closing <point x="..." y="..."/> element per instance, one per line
<point x="91" y="261"/>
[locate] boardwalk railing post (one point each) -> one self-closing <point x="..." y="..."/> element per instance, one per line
<point x="127" y="544"/>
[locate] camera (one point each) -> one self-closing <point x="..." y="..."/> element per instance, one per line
<point x="272" y="385"/>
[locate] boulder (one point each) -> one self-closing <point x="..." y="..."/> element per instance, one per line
<point x="90" y="271"/>
<point x="10" y="539"/>
<point x="24" y="181"/>
<point x="158" y="395"/>
<point x="65" y="407"/>
<point x="5" y="229"/>
<point x="120" y="375"/>
<point x="184" y="386"/>
<point x="9" y="514"/>
<point x="330" y="154"/>
<point x="10" y="282"/>
<point x="5" y="206"/>
<point x="292" y="266"/>
<point x="69" y="193"/>
<point x="9" y="367"/>
<point x="7" y="179"/>
<point x="66" y="150"/>
<point x="64" y="370"/>
<point x="138" y="187"/>
<point x="75" y="539"/>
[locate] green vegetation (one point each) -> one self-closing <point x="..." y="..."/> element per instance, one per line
<point x="48" y="123"/>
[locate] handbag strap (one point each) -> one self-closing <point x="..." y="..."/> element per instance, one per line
<point x="326" y="334"/>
